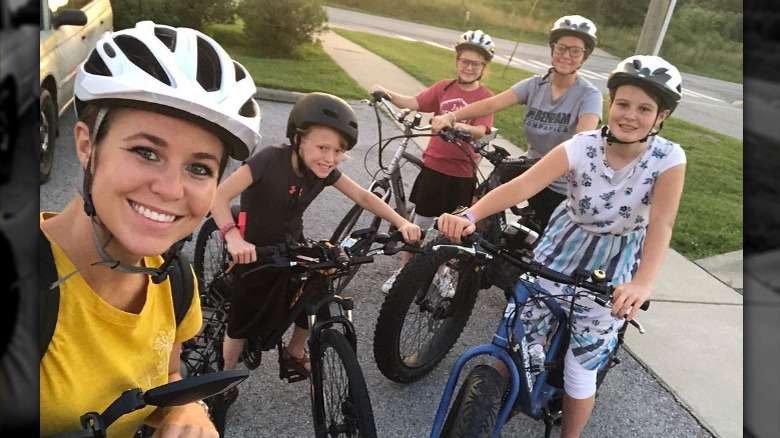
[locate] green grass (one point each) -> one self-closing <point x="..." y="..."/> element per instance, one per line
<point x="310" y="70"/>
<point x="710" y="218"/>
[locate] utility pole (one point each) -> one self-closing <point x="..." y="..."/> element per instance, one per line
<point x="654" y="29"/>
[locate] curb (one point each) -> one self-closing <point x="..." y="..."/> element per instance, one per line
<point x="273" y="95"/>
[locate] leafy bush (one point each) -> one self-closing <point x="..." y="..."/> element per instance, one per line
<point x="276" y="28"/>
<point x="194" y="14"/>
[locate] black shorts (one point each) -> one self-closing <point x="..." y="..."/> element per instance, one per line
<point x="435" y="193"/>
<point x="264" y="302"/>
<point x="258" y="301"/>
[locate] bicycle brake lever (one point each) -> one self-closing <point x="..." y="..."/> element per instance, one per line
<point x="638" y="326"/>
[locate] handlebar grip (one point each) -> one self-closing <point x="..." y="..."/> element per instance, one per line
<point x="266" y="251"/>
<point x="376" y="96"/>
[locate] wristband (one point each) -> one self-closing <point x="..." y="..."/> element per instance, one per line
<point x="454" y="119"/>
<point x="225" y="229"/>
<point x="464" y="211"/>
<point x="203" y="405"/>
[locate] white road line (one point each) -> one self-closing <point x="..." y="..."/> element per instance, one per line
<point x="695" y="94"/>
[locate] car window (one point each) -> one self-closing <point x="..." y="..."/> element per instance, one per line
<point x="56" y="5"/>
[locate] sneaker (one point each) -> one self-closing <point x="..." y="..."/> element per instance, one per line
<point x="389" y="283"/>
<point x="445" y="282"/>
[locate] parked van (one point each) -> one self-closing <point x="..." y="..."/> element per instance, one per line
<point x="69" y="31"/>
<point x="17" y="69"/>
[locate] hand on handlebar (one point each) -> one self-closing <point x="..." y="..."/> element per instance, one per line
<point x="411" y="232"/>
<point x="379" y="92"/>
<point x="188" y="420"/>
<point x="242" y="251"/>
<point x="440" y="122"/>
<point x="628" y="298"/>
<point x="453" y="227"/>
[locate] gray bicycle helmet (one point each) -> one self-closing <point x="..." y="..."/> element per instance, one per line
<point x="476" y="40"/>
<point x="175" y="71"/>
<point x="323" y="109"/>
<point x="577" y="26"/>
<point x="652" y="73"/>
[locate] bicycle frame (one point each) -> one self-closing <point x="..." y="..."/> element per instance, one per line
<point x="392" y="183"/>
<point x="530" y="398"/>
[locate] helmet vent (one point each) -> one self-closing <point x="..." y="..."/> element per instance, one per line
<point x="248" y="109"/>
<point x="95" y="64"/>
<point x="142" y="57"/>
<point x="167" y="36"/>
<point x="209" y="74"/>
<point x="240" y="72"/>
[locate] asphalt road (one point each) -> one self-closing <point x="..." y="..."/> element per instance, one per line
<point x="712" y="103"/>
<point x="632" y="403"/>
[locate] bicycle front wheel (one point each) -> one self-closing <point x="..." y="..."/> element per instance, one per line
<point x="425" y="312"/>
<point x="475" y="410"/>
<point x="356" y="219"/>
<point x="210" y="261"/>
<point x="340" y="405"/>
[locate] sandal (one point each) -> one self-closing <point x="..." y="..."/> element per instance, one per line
<point x="302" y="365"/>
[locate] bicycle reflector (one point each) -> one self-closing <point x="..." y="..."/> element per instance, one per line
<point x="519" y="236"/>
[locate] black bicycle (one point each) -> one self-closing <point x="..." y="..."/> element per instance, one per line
<point x="431" y="300"/>
<point x="340" y="401"/>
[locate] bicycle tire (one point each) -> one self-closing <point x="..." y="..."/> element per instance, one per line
<point x="417" y="326"/>
<point x="475" y="410"/>
<point x="198" y="359"/>
<point x="353" y="221"/>
<point x="211" y="258"/>
<point x="340" y="408"/>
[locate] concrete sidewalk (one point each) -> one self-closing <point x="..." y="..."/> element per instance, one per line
<point x="694" y="328"/>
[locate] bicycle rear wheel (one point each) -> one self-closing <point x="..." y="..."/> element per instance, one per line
<point x="356" y="219"/>
<point x="210" y="261"/>
<point x="475" y="410"/>
<point x="421" y="318"/>
<point x="340" y="403"/>
<point x="203" y="354"/>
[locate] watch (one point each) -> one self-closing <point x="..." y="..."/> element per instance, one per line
<point x="464" y="211"/>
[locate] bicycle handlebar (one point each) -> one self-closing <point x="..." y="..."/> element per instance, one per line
<point x="170" y="394"/>
<point x="595" y="282"/>
<point x="401" y="114"/>
<point x="323" y="255"/>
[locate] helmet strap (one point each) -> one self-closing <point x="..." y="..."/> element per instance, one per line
<point x="308" y="175"/>
<point x="607" y="134"/>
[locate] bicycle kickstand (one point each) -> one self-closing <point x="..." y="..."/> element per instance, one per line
<point x="285" y="373"/>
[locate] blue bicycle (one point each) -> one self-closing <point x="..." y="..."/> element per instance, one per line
<point x="484" y="403"/>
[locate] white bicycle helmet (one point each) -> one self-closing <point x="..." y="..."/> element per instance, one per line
<point x="476" y="40"/>
<point x="176" y="71"/>
<point x="578" y="26"/>
<point x="653" y="74"/>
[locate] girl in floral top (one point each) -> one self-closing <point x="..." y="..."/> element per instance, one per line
<point x="624" y="189"/>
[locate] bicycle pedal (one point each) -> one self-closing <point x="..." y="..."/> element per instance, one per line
<point x="291" y="376"/>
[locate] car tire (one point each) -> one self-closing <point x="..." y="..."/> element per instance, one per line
<point x="8" y="130"/>
<point x="48" y="134"/>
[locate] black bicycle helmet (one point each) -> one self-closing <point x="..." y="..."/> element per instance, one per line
<point x="577" y="26"/>
<point x="653" y="74"/>
<point x="323" y="109"/>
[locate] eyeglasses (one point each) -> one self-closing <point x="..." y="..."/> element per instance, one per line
<point x="465" y="63"/>
<point x="574" y="51"/>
